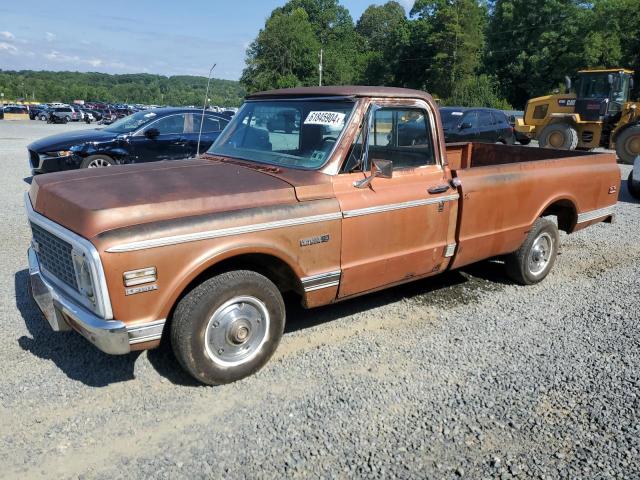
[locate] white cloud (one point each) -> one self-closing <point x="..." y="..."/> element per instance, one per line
<point x="61" y="57"/>
<point x="7" y="47"/>
<point x="94" y="62"/>
<point x="7" y="35"/>
<point x="50" y="36"/>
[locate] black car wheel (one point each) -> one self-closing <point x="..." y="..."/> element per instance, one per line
<point x="97" y="161"/>
<point x="43" y="118"/>
<point x="633" y="186"/>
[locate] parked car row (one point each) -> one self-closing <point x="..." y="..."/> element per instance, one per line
<point x="145" y="136"/>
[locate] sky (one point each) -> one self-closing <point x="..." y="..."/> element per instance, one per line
<point x="137" y="36"/>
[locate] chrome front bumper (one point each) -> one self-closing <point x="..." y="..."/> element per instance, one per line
<point x="62" y="313"/>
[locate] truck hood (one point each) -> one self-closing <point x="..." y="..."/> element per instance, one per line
<point x="89" y="202"/>
<point x="64" y="141"/>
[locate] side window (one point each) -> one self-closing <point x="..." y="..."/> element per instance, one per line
<point x="172" y="124"/>
<point x="401" y="135"/>
<point x="471" y="118"/>
<point x="484" y="118"/>
<point x="212" y="124"/>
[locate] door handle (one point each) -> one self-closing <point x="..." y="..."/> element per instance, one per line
<point x="439" y="188"/>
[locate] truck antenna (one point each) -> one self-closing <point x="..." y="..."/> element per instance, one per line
<point x="204" y="107"/>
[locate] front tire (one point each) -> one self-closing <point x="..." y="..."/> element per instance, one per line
<point x="533" y="261"/>
<point x="628" y="144"/>
<point x="633" y="186"/>
<point x="97" y="161"/>
<point x="228" y="327"/>
<point x="561" y="136"/>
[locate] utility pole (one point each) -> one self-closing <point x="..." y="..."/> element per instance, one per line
<point x="320" y="69"/>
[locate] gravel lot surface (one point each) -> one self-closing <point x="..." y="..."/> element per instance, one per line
<point x="463" y="375"/>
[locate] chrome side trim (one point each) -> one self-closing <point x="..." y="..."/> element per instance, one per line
<point x="450" y="250"/>
<point x="397" y="206"/>
<point x="146" y="332"/>
<point x="223" y="232"/>
<point x="321" y="280"/>
<point x="594" y="214"/>
<point x="103" y="302"/>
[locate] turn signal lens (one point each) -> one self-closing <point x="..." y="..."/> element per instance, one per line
<point x="140" y="276"/>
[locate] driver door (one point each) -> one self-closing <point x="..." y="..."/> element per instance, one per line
<point x="397" y="228"/>
<point x="170" y="142"/>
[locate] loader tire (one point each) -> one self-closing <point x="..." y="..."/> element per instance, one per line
<point x="561" y="136"/>
<point x="628" y="144"/>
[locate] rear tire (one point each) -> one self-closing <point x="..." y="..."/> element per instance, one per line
<point x="633" y="186"/>
<point x="97" y="161"/>
<point x="228" y="327"/>
<point x="524" y="141"/>
<point x="561" y="136"/>
<point x="43" y="118"/>
<point x="628" y="144"/>
<point x="533" y="261"/>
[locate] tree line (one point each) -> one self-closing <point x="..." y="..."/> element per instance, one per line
<point x="45" y="86"/>
<point x="466" y="52"/>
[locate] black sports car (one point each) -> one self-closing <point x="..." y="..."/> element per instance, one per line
<point x="146" y="136"/>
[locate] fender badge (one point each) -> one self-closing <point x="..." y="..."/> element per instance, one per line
<point x="612" y="189"/>
<point x="140" y="289"/>
<point x="305" y="242"/>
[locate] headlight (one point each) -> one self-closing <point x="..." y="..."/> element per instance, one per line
<point x="60" y="153"/>
<point x="83" y="275"/>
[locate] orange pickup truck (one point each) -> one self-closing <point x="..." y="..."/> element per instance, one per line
<point x="326" y="192"/>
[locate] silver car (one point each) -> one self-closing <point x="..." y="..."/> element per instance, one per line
<point x="69" y="113"/>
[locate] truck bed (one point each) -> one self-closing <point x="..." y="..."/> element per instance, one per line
<point x="505" y="188"/>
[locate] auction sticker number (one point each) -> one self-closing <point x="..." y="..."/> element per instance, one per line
<point x="325" y="118"/>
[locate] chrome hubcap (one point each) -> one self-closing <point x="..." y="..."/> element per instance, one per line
<point x="236" y="331"/>
<point x="540" y="253"/>
<point x="98" y="163"/>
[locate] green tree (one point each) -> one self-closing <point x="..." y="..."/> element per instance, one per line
<point x="385" y="33"/>
<point x="284" y="54"/>
<point x="454" y="41"/>
<point x="533" y="44"/>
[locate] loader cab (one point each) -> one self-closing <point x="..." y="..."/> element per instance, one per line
<point x="601" y="94"/>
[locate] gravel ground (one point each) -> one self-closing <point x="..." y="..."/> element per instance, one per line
<point x="463" y="375"/>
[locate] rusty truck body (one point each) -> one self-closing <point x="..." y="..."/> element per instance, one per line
<point x="355" y="191"/>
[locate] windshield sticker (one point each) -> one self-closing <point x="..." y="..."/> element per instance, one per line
<point x="318" y="156"/>
<point x="457" y="114"/>
<point x="325" y="118"/>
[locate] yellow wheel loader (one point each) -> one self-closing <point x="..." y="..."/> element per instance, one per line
<point x="597" y="114"/>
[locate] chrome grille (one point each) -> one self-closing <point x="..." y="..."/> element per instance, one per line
<point x="54" y="255"/>
<point x="34" y="159"/>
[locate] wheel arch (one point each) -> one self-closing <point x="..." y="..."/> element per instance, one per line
<point x="273" y="265"/>
<point x="564" y="209"/>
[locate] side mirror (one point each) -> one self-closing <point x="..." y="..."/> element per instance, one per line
<point x="567" y="83"/>
<point x="464" y="126"/>
<point x="379" y="168"/>
<point x="151" y="133"/>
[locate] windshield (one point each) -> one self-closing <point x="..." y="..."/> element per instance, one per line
<point x="594" y="85"/>
<point x="450" y="117"/>
<point x="297" y="133"/>
<point x="132" y="122"/>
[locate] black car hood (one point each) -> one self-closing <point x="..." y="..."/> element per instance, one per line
<point x="64" y="141"/>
